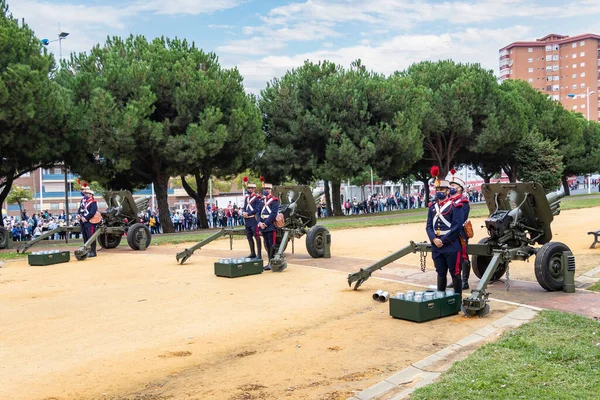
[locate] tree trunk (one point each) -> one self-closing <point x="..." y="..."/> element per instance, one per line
<point x="426" y="190"/>
<point x="161" y="187"/>
<point x="337" y="200"/>
<point x="511" y="171"/>
<point x="487" y="178"/>
<point x="327" y="198"/>
<point x="198" y="196"/>
<point x="4" y="194"/>
<point x="565" y="183"/>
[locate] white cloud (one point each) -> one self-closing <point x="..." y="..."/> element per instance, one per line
<point x="91" y="24"/>
<point x="188" y="7"/>
<point x="398" y="53"/>
<point x="215" y="26"/>
<point x="275" y="39"/>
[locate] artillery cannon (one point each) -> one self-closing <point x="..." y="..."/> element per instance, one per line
<point x="520" y="217"/>
<point x="297" y="205"/>
<point x="121" y="216"/>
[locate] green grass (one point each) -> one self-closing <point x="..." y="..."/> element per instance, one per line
<point x="595" y="287"/>
<point x="11" y="255"/>
<point x="556" y="356"/>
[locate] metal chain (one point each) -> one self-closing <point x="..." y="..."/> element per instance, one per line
<point x="423" y="260"/>
<point x="507" y="277"/>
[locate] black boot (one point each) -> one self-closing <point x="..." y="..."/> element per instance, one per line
<point x="258" y="249"/>
<point x="457" y="283"/>
<point x="92" y="252"/>
<point x="441" y="283"/>
<point x="466" y="272"/>
<point x="268" y="266"/>
<point x="252" y="250"/>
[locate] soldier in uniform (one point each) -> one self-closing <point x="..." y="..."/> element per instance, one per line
<point x="267" y="219"/>
<point x="444" y="222"/>
<point x="87" y="217"/>
<point x="252" y="206"/>
<point x="457" y="187"/>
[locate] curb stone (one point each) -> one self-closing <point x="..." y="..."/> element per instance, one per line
<point x="398" y="386"/>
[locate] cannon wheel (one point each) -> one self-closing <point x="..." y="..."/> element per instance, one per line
<point x="315" y="241"/>
<point x="134" y="236"/>
<point x="480" y="264"/>
<point x="549" y="266"/>
<point x="3" y="238"/>
<point x="109" y="240"/>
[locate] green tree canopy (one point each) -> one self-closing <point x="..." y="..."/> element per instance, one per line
<point x="146" y="111"/>
<point x="325" y="122"/>
<point x="19" y="195"/>
<point x="461" y="98"/>
<point x="32" y="107"/>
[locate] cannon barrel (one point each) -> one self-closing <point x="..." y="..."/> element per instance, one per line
<point x="554" y="201"/>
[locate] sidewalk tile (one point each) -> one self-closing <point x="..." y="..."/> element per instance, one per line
<point x="408" y="374"/>
<point x="523" y="313"/>
<point x="375" y="390"/>
<point x="471" y="339"/>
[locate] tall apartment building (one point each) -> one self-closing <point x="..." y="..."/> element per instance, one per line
<point x="566" y="68"/>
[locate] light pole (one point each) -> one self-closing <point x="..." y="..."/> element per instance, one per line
<point x="61" y="36"/>
<point x="587" y="98"/>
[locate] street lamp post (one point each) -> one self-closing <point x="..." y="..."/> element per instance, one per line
<point x="587" y="97"/>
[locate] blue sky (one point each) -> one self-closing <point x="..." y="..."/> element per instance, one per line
<point x="265" y="38"/>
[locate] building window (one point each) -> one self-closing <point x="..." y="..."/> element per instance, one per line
<point x="555" y="68"/>
<point x="582" y="95"/>
<point x="582" y="75"/>
<point x="574" y="65"/>
<point x="555" y="78"/>
<point x="582" y="43"/>
<point x="574" y="55"/>
<point x="574" y="107"/>
<point x="548" y="78"/>
<point x="583" y="106"/>
<point x="57" y="171"/>
<point x="582" y="54"/>
<point x="555" y="97"/>
<point x="582" y="85"/>
<point x="26" y="175"/>
<point x="582" y="64"/>
<point x="555" y="47"/>
<point x="555" y="57"/>
<point x="548" y="88"/>
<point x="574" y="86"/>
<point x="530" y="69"/>
<point x="530" y="80"/>
<point x="549" y="47"/>
<point x="574" y="45"/>
<point x="555" y="88"/>
<point x="530" y="60"/>
<point x="574" y="75"/>
<point x="530" y="49"/>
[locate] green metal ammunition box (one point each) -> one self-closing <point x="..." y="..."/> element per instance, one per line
<point x="449" y="305"/>
<point x="48" y="259"/>
<point x="239" y="269"/>
<point x="415" y="311"/>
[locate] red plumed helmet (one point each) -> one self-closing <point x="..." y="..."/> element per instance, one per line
<point x="262" y="178"/>
<point x="245" y="179"/>
<point x="453" y="171"/>
<point x="79" y="181"/>
<point x="435" y="171"/>
<point x="85" y="184"/>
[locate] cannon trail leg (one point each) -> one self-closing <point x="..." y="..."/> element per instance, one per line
<point x="476" y="303"/>
<point x="23" y="248"/>
<point x="278" y="263"/>
<point x="83" y="252"/>
<point x="365" y="273"/>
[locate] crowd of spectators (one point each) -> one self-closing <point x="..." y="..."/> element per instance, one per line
<point x="27" y="227"/>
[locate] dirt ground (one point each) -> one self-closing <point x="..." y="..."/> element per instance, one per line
<point x="136" y="325"/>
